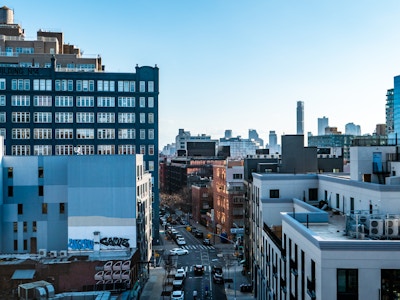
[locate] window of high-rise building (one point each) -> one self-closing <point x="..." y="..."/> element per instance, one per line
<point x="42" y="101"/>
<point x="150" y="86"/>
<point x="64" y="117"/>
<point x="20" y="100"/>
<point x="150" y="102"/>
<point x="21" y="133"/>
<point x="126" y="101"/>
<point x="42" y="150"/>
<point x="64" y="101"/>
<point x="19" y="117"/>
<point x="64" y="149"/>
<point x="42" y="133"/>
<point x="105" y="149"/>
<point x="126" y="149"/>
<point x="106" y="133"/>
<point x="105" y="101"/>
<point x="42" y="117"/>
<point x="126" y="133"/>
<point x="85" y="117"/>
<point x="126" y="117"/>
<point x="85" y="101"/>
<point x="105" y="118"/>
<point x="64" y="133"/>
<point x="85" y="133"/>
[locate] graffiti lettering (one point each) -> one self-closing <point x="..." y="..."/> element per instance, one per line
<point x="115" y="241"/>
<point x="84" y="244"/>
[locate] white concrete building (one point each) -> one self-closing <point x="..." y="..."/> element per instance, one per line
<point x="349" y="250"/>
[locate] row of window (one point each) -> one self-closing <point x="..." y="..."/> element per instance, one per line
<point x="22" y="150"/>
<point x="80" y="117"/>
<point x="80" y="133"/>
<point x="81" y="101"/>
<point x="80" y="85"/>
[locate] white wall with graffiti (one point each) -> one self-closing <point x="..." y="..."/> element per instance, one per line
<point x="95" y="238"/>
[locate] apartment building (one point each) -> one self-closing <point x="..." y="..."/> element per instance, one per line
<point x="55" y="101"/>
<point x="344" y="245"/>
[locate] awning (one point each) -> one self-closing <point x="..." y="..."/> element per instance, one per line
<point x="23" y="274"/>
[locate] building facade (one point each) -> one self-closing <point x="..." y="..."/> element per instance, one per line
<point x="322" y="124"/>
<point x="389" y="111"/>
<point x="300" y="117"/>
<point x="54" y="101"/>
<point x="78" y="204"/>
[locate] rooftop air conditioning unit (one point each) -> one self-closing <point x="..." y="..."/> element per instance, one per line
<point x="376" y="227"/>
<point x="53" y="253"/>
<point x="42" y="252"/>
<point x="63" y="253"/>
<point x="391" y="227"/>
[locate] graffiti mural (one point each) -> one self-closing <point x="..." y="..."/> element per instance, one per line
<point x="114" y="242"/>
<point x="80" y="244"/>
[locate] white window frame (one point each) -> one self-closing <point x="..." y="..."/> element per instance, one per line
<point x="42" y="117"/>
<point x="85" y="134"/>
<point x="64" y="133"/>
<point x="64" y="117"/>
<point x="106" y="117"/>
<point x="126" y="133"/>
<point x="42" y="100"/>
<point x="84" y="117"/>
<point x="106" y="133"/>
<point x="128" y="118"/>
<point x="64" y="101"/>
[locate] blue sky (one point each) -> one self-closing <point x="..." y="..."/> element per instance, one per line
<point x="240" y="64"/>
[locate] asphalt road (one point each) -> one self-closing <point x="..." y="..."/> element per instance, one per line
<point x="206" y="256"/>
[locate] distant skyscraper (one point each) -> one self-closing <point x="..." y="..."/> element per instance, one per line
<point x="253" y="135"/>
<point x="322" y="124"/>
<point x="273" y="138"/>
<point x="300" y="117"/>
<point x="352" y="129"/>
<point x="228" y="133"/>
<point x="389" y="111"/>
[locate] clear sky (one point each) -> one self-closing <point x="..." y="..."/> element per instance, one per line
<point x="227" y="64"/>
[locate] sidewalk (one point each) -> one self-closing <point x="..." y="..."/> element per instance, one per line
<point x="154" y="287"/>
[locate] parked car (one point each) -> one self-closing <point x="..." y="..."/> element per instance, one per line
<point x="198" y="269"/>
<point x="218" y="278"/>
<point x="181" y="271"/>
<point x="178" y="251"/>
<point x="181" y="241"/>
<point x="178" y="295"/>
<point x="177" y="285"/>
<point x="246" y="287"/>
<point x="179" y="276"/>
<point x="207" y="242"/>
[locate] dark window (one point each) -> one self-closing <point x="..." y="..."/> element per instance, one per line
<point x="15" y="245"/>
<point x="34" y="227"/>
<point x="390" y="283"/>
<point x="25" y="244"/>
<point x="10" y="191"/>
<point x="41" y="190"/>
<point x="313" y="194"/>
<point x="44" y="208"/>
<point x="237" y="176"/>
<point x="20" y="209"/>
<point x="15" y="226"/>
<point x="337" y="201"/>
<point x="62" y="208"/>
<point x="40" y="172"/>
<point x="10" y="172"/>
<point x="347" y="284"/>
<point x="351" y="204"/>
<point x="25" y="226"/>
<point x="274" y="193"/>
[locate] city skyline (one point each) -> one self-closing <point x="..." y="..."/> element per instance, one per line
<point x="238" y="66"/>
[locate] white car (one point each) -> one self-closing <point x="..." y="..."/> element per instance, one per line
<point x="178" y="295"/>
<point x="181" y="241"/>
<point x="181" y="271"/>
<point x="178" y="251"/>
